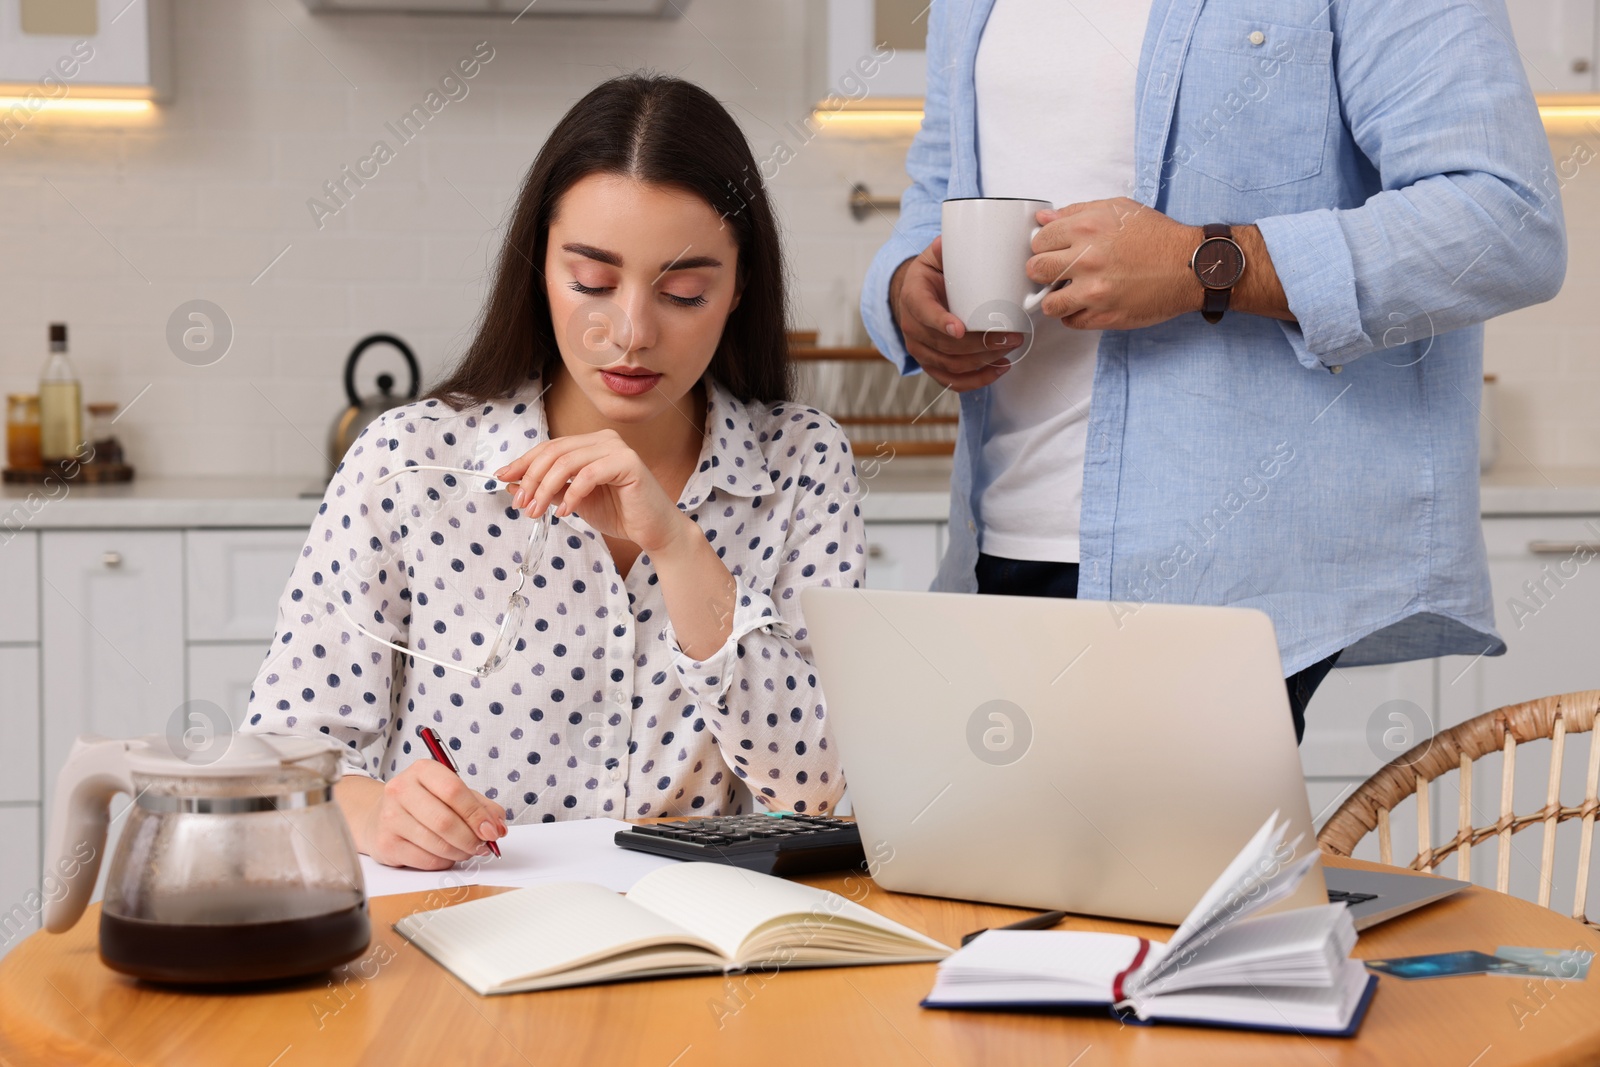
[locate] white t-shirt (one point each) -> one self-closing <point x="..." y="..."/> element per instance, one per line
<point x="1055" y="86"/>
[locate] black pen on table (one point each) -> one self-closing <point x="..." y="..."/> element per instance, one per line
<point x="1042" y="921"/>
<point x="431" y="739"/>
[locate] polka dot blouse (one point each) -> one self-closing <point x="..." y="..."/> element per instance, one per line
<point x="596" y="712"/>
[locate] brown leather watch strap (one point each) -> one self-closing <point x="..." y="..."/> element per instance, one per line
<point x="1214" y="304"/>
<point x="1216" y="299"/>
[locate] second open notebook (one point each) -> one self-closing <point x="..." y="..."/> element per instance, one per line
<point x="690" y="918"/>
<point x="1224" y="966"/>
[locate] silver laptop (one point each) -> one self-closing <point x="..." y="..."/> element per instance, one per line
<point x="1378" y="896"/>
<point x="1105" y="759"/>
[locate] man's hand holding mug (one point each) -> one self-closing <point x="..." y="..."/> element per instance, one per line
<point x="1101" y="265"/>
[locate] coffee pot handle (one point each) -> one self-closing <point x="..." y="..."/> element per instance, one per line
<point x="95" y="771"/>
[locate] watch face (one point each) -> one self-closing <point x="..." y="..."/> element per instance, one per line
<point x="1218" y="262"/>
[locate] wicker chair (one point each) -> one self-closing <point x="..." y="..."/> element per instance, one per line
<point x="1456" y="749"/>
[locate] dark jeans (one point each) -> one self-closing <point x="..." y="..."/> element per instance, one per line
<point x="1029" y="577"/>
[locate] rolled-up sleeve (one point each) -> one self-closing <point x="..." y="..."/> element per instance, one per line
<point x="1468" y="222"/>
<point x="767" y="711"/>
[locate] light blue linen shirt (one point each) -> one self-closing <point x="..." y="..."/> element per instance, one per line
<point x="1324" y="471"/>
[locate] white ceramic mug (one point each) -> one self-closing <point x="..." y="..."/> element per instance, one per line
<point x="987" y="244"/>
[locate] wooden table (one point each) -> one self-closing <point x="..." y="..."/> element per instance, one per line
<point x="60" y="1005"/>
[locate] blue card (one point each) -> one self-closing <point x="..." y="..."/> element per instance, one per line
<point x="1447" y="964"/>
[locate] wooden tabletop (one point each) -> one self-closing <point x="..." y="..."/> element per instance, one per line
<point x="59" y="1004"/>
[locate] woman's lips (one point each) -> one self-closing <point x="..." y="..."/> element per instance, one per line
<point x="629" y="384"/>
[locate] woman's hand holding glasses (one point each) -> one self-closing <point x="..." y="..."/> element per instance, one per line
<point x="599" y="476"/>
<point x="605" y="481"/>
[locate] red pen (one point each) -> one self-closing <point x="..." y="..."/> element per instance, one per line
<point x="431" y="739"/>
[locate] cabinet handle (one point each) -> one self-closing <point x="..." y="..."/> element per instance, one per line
<point x="112" y="559"/>
<point x="874" y="551"/>
<point x="1580" y="66"/>
<point x="1563" y="548"/>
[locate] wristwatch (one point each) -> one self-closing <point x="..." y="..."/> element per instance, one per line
<point x="1219" y="264"/>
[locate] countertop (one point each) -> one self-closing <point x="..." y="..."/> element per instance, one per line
<point x="901" y="489"/>
<point x="1541" y="491"/>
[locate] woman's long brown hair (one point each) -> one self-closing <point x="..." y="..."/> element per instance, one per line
<point x="659" y="130"/>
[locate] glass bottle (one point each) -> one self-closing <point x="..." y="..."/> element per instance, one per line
<point x="102" y="433"/>
<point x="60" y="402"/>
<point x="22" y="432"/>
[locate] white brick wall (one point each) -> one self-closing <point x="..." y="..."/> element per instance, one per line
<point x="198" y="202"/>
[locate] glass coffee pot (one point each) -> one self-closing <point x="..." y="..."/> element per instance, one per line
<point x="231" y="868"/>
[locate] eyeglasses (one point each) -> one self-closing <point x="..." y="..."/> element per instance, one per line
<point x="516" y="607"/>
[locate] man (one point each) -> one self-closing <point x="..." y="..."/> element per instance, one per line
<point x="1262" y="388"/>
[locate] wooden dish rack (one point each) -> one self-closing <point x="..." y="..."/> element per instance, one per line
<point x="883" y="411"/>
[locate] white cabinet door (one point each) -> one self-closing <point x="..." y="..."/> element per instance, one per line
<point x="1359" y="719"/>
<point x="1556" y="40"/>
<point x="19" y="875"/>
<point x="223" y="674"/>
<point x="235" y="580"/>
<point x="19" y="586"/>
<point x="1362" y="717"/>
<point x="19" y="724"/>
<point x="873" y="49"/>
<point x="1545" y="574"/>
<point x="902" y="555"/>
<point x="113" y="635"/>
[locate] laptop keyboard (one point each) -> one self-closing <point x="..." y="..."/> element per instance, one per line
<point x="1349" y="898"/>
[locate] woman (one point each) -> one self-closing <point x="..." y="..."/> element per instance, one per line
<point x="604" y="619"/>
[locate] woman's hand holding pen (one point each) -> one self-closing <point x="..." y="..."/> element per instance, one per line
<point x="424" y="817"/>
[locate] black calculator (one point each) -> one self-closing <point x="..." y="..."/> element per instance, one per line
<point x="780" y="843"/>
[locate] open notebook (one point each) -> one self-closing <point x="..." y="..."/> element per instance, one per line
<point x="690" y="918"/>
<point x="1287" y="971"/>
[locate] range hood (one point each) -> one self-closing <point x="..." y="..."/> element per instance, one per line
<point x="501" y="8"/>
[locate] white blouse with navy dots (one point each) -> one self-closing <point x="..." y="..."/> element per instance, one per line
<point x="597" y="711"/>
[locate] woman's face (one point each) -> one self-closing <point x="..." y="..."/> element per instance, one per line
<point x="641" y="279"/>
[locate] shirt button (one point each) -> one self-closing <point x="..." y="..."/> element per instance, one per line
<point x="1257" y="37"/>
<point x="972" y="526"/>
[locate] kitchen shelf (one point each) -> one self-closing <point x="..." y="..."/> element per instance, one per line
<point x="884" y="412"/>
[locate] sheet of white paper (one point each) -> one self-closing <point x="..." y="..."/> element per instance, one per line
<point x="580" y="850"/>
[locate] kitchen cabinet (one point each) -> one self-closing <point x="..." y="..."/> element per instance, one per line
<point x="19" y="587"/>
<point x="112" y="611"/>
<point x="88" y="46"/>
<point x="223" y="673"/>
<point x="234" y="580"/>
<point x="1556" y="39"/>
<point x="903" y="555"/>
<point x="1360" y="719"/>
<point x="1547" y="606"/>
<point x="868" y="51"/>
<point x="19" y="724"/>
<point x="1545" y="576"/>
<point x="19" y="874"/>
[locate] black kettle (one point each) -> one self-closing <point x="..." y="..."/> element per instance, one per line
<point x="362" y="410"/>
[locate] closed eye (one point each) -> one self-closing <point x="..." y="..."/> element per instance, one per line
<point x="681" y="301"/>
